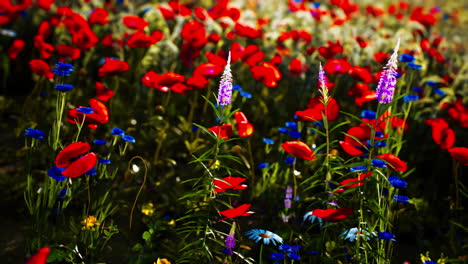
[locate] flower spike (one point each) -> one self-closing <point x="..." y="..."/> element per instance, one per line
<point x="386" y="86"/>
<point x="225" y="85"/>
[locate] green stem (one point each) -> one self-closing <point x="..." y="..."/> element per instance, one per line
<point x="60" y="106"/>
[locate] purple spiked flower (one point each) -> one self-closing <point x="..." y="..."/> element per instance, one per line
<point x="225" y="85"/>
<point x="386" y="86"/>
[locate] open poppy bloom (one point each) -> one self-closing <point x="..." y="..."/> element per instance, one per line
<point x="99" y="116"/>
<point x="112" y="67"/>
<point x="316" y="110"/>
<point x="460" y="154"/>
<point x="162" y="82"/>
<point x="98" y="16"/>
<point x="141" y="40"/>
<point x="267" y="73"/>
<point x="352" y="183"/>
<point x="134" y="22"/>
<point x="243" y="126"/>
<point x="336" y="67"/>
<point x="299" y="149"/>
<point x="208" y="70"/>
<point x="361" y="74"/>
<point x="332" y="214"/>
<point x="395" y="162"/>
<point x="40" y="257"/>
<point x="236" y="212"/>
<point x="41" y="68"/>
<point x="103" y="93"/>
<point x="65" y="51"/>
<point x="224" y="131"/>
<point x="15" y="48"/>
<point x="228" y="183"/>
<point x="75" y="160"/>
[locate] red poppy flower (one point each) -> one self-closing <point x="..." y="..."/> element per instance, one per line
<point x="362" y="43"/>
<point x="194" y="34"/>
<point x="140" y="40"/>
<point x="395" y="162"/>
<point x="41" y="68"/>
<point x="460" y="154"/>
<point x="228" y="183"/>
<point x="15" y="48"/>
<point x="45" y="49"/>
<point x="458" y="112"/>
<point x="98" y="16"/>
<point x="243" y="126"/>
<point x="361" y="74"/>
<point x="333" y="215"/>
<point x="222" y="132"/>
<point x="45" y="4"/>
<point x="134" y="22"/>
<point x="315" y="110"/>
<point x="425" y="44"/>
<point x="381" y="57"/>
<point x="353" y="182"/>
<point x="236" y="212"/>
<point x="208" y="70"/>
<point x="298" y="149"/>
<point x="180" y="9"/>
<point x="358" y="134"/>
<point x="214" y="38"/>
<point x="40" y="257"/>
<point x="424" y="18"/>
<point x="336" y="66"/>
<point x="365" y="98"/>
<point x="237" y="51"/>
<point x="162" y="82"/>
<point x="399" y="124"/>
<point x="65" y="51"/>
<point x="254" y="58"/>
<point x="438" y="125"/>
<point x="247" y="31"/>
<point x="103" y="93"/>
<point x="112" y="67"/>
<point x="98" y="117"/>
<point x="197" y="82"/>
<point x="350" y="148"/>
<point x="85" y="39"/>
<point x="74" y="159"/>
<point x="331" y="50"/>
<point x="296" y="67"/>
<point x="215" y="59"/>
<point x="166" y="12"/>
<point x="267" y="73"/>
<point x="447" y="138"/>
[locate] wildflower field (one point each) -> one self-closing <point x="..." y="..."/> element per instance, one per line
<point x="233" y="131"/>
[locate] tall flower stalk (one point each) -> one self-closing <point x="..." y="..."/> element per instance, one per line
<point x="386" y="86"/>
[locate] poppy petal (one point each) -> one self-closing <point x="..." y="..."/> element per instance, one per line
<point x="70" y="152"/>
<point x="81" y="165"/>
<point x="299" y="149"/>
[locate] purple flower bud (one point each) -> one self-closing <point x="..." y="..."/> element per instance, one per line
<point x="386" y="86"/>
<point x="225" y="85"/>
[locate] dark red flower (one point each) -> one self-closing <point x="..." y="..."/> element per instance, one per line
<point x="460" y="154"/>
<point x="85" y="39"/>
<point x="65" y="51"/>
<point x="215" y="59"/>
<point x="361" y="74"/>
<point x="15" y="48"/>
<point x="134" y="22"/>
<point x="458" y="112"/>
<point x="208" y="70"/>
<point x="45" y="49"/>
<point x="194" y="34"/>
<point x="236" y="212"/>
<point x="222" y="132"/>
<point x="267" y="73"/>
<point x="112" y="67"/>
<point x="197" y="82"/>
<point x="103" y="93"/>
<point x="315" y="110"/>
<point x="228" y="183"/>
<point x="162" y="82"/>
<point x="298" y="149"/>
<point x="247" y="31"/>
<point x="98" y="117"/>
<point x="41" y="68"/>
<point x="350" y="148"/>
<point x="74" y="159"/>
<point x="296" y="67"/>
<point x="381" y="57"/>
<point x="40" y="257"/>
<point x="394" y="161"/>
<point x="333" y="215"/>
<point x="98" y="16"/>
<point x="353" y="182"/>
<point x="336" y="66"/>
<point x="140" y="40"/>
<point x="45" y="4"/>
<point x="166" y="12"/>
<point x="243" y="126"/>
<point x="362" y="43"/>
<point x="331" y="50"/>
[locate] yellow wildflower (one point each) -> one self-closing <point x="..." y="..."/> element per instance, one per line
<point x="89" y="223"/>
<point x="162" y="261"/>
<point x="148" y="209"/>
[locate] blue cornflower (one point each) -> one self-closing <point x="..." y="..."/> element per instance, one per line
<point x="283" y="130"/>
<point x="263" y="165"/>
<point x="410" y="97"/>
<point x="128" y="138"/>
<point x="85" y="110"/>
<point x="418" y="89"/>
<point x="246" y="94"/>
<point x="432" y="84"/>
<point x="277" y="256"/>
<point x="386" y="236"/>
<point x="117" y="132"/>
<point x="368" y="114"/>
<point x="291" y="125"/>
<point x="429" y="262"/>
<point x="316" y="4"/>
<point x="397" y="182"/>
<point x="34" y="133"/>
<point x="378" y="163"/>
<point x="294" y="256"/>
<point x="318" y="123"/>
<point x="64" y="87"/>
<point x="289" y="160"/>
<point x="265" y="235"/>
<point x="56" y="173"/>
<point x="400" y="199"/>
<point x="91" y="172"/>
<point x="195" y="128"/>
<point x="268" y="141"/>
<point x="99" y="142"/>
<point x="295" y="134"/>
<point x="415" y="66"/>
<point x="407" y="58"/>
<point x="380" y="143"/>
<point x="104" y="161"/>
<point x="63" y="69"/>
<point x="236" y="87"/>
<point x="379" y="134"/>
<point x="358" y="168"/>
<point x="439" y="92"/>
<point x="289" y="248"/>
<point x="62" y="193"/>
